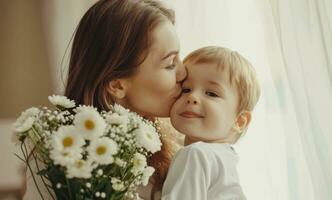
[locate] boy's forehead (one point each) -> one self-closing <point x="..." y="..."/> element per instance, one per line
<point x="212" y="69"/>
<point x="207" y="64"/>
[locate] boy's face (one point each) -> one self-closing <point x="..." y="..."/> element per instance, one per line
<point x="207" y="108"/>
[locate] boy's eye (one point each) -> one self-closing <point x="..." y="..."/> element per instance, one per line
<point x="186" y="90"/>
<point x="211" y="94"/>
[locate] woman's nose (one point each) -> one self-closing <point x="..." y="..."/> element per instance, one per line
<point x="181" y="73"/>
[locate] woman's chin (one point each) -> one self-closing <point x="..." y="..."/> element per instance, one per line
<point x="164" y="114"/>
<point x="160" y="113"/>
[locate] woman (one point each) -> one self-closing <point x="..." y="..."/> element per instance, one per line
<point x="127" y="52"/>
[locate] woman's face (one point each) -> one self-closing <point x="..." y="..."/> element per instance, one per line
<point x="157" y="83"/>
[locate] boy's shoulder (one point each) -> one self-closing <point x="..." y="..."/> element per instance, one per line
<point x="209" y="150"/>
<point x="198" y="147"/>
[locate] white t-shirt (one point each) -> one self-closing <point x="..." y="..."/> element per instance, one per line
<point x="203" y="171"/>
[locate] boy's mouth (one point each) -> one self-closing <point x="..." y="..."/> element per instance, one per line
<point x="190" y="114"/>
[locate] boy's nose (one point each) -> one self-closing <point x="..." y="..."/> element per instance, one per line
<point x="191" y="101"/>
<point x="192" y="98"/>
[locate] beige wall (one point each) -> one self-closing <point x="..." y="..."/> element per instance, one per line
<point x="25" y="78"/>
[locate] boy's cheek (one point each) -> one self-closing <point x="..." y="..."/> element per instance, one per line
<point x="176" y="105"/>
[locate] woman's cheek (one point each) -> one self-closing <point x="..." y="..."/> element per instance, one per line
<point x="171" y="81"/>
<point x="165" y="83"/>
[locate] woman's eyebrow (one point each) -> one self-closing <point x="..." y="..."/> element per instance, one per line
<point x="170" y="54"/>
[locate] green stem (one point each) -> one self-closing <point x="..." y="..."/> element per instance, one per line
<point x="112" y="197"/>
<point x="41" y="176"/>
<point x="37" y="140"/>
<point x="69" y="189"/>
<point x="27" y="163"/>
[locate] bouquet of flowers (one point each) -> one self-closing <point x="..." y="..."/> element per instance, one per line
<point x="81" y="153"/>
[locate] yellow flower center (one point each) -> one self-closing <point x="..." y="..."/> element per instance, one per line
<point x="79" y="163"/>
<point x="67" y="142"/>
<point x="90" y="125"/>
<point x="65" y="154"/>
<point x="101" y="150"/>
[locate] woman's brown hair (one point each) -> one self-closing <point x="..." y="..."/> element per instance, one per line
<point x="111" y="40"/>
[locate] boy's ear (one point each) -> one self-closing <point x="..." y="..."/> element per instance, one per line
<point x="242" y="121"/>
<point x="118" y="88"/>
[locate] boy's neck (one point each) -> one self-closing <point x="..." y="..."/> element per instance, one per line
<point x="188" y="140"/>
<point x="191" y="140"/>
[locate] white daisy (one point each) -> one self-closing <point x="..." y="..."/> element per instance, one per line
<point x="65" y="158"/>
<point x="117" y="184"/>
<point x="79" y="169"/>
<point x="147" y="173"/>
<point x="100" y="172"/>
<point x="139" y="162"/>
<point x="67" y="138"/>
<point x="26" y="120"/>
<point x="89" y="122"/>
<point x="62" y="101"/>
<point x="148" y="138"/>
<point x="121" y="110"/>
<point x="115" y="118"/>
<point x="120" y="162"/>
<point x="102" y="150"/>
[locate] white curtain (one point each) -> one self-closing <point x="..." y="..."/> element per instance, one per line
<point x="285" y="154"/>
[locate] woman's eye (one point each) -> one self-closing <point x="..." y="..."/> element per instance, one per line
<point x="212" y="94"/>
<point x="186" y="90"/>
<point x="170" y="67"/>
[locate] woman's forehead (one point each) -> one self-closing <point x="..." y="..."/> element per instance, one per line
<point x="164" y="41"/>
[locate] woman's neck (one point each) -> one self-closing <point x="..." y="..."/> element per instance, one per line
<point x="150" y="118"/>
<point x="124" y="103"/>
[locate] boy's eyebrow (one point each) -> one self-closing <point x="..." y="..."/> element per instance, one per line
<point x="175" y="52"/>
<point x="216" y="84"/>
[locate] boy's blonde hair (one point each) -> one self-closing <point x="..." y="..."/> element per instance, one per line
<point x="241" y="72"/>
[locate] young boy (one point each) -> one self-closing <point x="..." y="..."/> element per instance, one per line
<point x="213" y="111"/>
